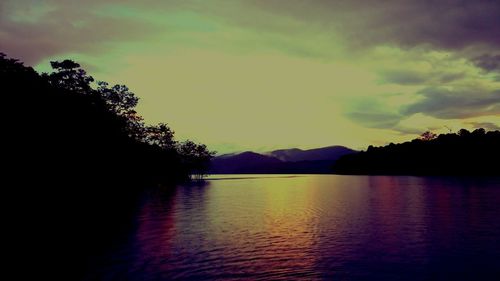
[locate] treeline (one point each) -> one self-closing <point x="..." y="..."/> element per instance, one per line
<point x="462" y="153"/>
<point x="68" y="125"/>
<point x="77" y="160"/>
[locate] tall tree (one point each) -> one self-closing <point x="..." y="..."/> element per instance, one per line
<point x="196" y="158"/>
<point x="69" y="76"/>
<point x="161" y="135"/>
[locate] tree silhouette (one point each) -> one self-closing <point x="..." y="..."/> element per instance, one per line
<point x="69" y="76"/>
<point x="463" y="132"/>
<point x="463" y="153"/>
<point x="80" y="121"/>
<point x="479" y="132"/>
<point x="161" y="135"/>
<point x="427" y="136"/>
<point x="119" y="98"/>
<point x="196" y="157"/>
<point x="80" y="156"/>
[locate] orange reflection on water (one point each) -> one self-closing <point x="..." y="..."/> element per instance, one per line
<point x="313" y="227"/>
<point x="282" y="220"/>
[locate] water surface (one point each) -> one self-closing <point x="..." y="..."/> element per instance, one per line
<point x="312" y="227"/>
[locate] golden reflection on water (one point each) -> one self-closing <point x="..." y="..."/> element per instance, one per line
<point x="310" y="227"/>
<point x="278" y="227"/>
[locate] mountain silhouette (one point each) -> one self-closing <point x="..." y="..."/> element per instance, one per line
<point x="323" y="153"/>
<point x="283" y="161"/>
<point x="244" y="163"/>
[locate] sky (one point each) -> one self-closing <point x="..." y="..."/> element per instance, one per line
<point x="266" y="74"/>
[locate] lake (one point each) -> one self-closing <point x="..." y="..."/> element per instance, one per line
<point x="311" y="227"/>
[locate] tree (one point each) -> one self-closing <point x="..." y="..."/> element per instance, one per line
<point x="69" y="76"/>
<point x="160" y="135"/>
<point x="135" y="125"/>
<point x="479" y="132"/>
<point x="119" y="98"/>
<point x="95" y="122"/>
<point x="427" y="136"/>
<point x="196" y="158"/>
<point x="447" y="154"/>
<point x="10" y="66"/>
<point x="121" y="101"/>
<point x="463" y="132"/>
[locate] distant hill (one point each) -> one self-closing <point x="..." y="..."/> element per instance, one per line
<point x="331" y="153"/>
<point x="283" y="161"/>
<point x="244" y="163"/>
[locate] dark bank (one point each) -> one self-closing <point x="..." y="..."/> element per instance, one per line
<point x="78" y="157"/>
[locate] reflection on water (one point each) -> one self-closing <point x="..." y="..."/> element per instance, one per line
<point x="313" y="227"/>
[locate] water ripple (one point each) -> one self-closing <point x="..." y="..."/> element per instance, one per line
<point x="313" y="228"/>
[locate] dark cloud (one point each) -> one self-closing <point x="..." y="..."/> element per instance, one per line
<point x="485" y="125"/>
<point x="444" y="24"/>
<point x="449" y="77"/>
<point x="409" y="77"/>
<point x="458" y="103"/>
<point x="74" y="26"/>
<point x="64" y="29"/>
<point x="407" y="130"/>
<point x="404" y="77"/>
<point x="380" y="120"/>
<point x="373" y="112"/>
<point x="438" y="102"/>
<point x="488" y="62"/>
<point x="375" y="119"/>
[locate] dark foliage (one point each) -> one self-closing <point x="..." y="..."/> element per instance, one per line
<point x="464" y="153"/>
<point x="88" y="132"/>
<point x="77" y="156"/>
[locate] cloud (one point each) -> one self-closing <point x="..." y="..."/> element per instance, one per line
<point x="33" y="30"/>
<point x="404" y="77"/>
<point x="457" y="103"/>
<point x="485" y="125"/>
<point x="327" y="59"/>
<point x="449" y="77"/>
<point x="373" y="113"/>
<point x="412" y="77"/>
<point x="408" y="130"/>
<point x="58" y="28"/>
<point x="447" y="24"/>
<point x="488" y="62"/>
<point x="465" y="29"/>
<point x="379" y="120"/>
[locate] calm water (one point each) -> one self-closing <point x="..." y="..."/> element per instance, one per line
<point x="317" y="227"/>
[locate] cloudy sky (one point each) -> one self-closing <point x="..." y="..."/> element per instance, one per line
<point x="265" y="74"/>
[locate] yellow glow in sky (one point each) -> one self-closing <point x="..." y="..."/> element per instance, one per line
<point x="261" y="75"/>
